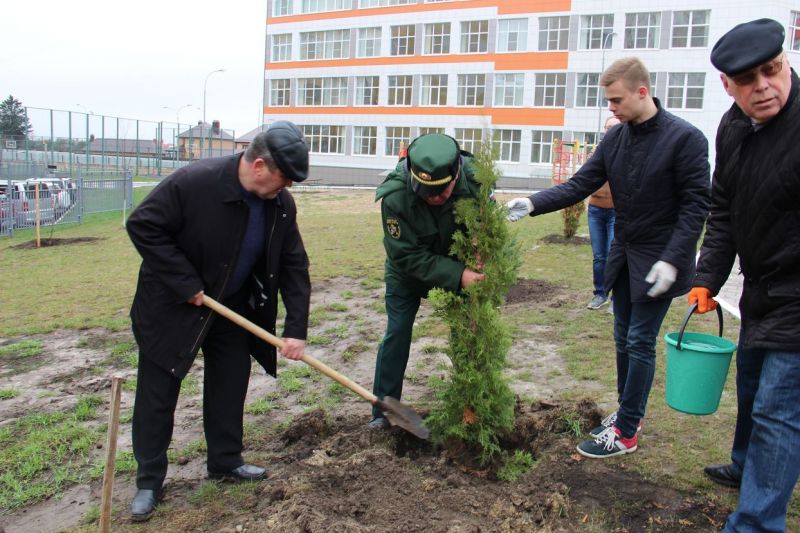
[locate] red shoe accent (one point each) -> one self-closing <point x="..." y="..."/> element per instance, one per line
<point x="628" y="443"/>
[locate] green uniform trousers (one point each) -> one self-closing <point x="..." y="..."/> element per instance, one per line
<point x="401" y="309"/>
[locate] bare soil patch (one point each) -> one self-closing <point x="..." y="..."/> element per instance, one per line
<point x="55" y="241"/>
<point x="555" y="238"/>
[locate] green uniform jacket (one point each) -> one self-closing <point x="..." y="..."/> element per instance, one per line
<point x="417" y="236"/>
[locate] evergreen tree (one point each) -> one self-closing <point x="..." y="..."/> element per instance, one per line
<point x="14" y="123"/>
<point x="476" y="404"/>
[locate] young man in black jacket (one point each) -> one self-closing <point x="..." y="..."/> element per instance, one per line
<point x="225" y="227"/>
<point x="754" y="213"/>
<point x="657" y="167"/>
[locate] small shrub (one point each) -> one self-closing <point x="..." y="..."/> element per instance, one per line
<point x="515" y="466"/>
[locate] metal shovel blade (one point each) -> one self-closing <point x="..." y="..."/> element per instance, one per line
<point x="402" y="415"/>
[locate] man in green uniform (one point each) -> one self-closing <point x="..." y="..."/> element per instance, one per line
<point x="417" y="209"/>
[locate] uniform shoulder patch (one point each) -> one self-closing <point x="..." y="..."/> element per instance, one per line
<point x="393" y="227"/>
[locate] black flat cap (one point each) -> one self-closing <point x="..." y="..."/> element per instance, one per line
<point x="748" y="45"/>
<point x="289" y="150"/>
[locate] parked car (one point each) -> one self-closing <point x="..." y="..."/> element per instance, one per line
<point x="16" y="203"/>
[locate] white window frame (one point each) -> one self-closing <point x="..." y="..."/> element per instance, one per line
<point x="325" y="92"/>
<point x="322" y="6"/>
<point x="280" y="92"/>
<point x="402" y="40"/>
<point x="642" y="30"/>
<point x="685" y="90"/>
<point x="549" y="89"/>
<point x="437" y="38"/>
<point x="542" y="146"/>
<point x="588" y="92"/>
<point x="365" y="140"/>
<point x="469" y="139"/>
<point x="474" y="36"/>
<point x="394" y="136"/>
<point x="508" y="143"/>
<point x="471" y="90"/>
<point x="400" y="90"/>
<point x="428" y="130"/>
<point x="369" y="42"/>
<point x="323" y="139"/>
<point x="281" y="47"/>
<point x="329" y="44"/>
<point x="364" y="4"/>
<point x="434" y="90"/>
<point x="367" y="90"/>
<point x="794" y="31"/>
<point x="509" y="89"/>
<point x="553" y="33"/>
<point x="281" y="8"/>
<point x="689" y="32"/>
<point x="593" y="31"/>
<point x="512" y="35"/>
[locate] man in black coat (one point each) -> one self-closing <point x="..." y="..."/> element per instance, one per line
<point x="755" y="213"/>
<point x="226" y="227"/>
<point x="657" y="167"/>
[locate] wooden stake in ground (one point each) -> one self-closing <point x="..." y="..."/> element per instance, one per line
<point x="111" y="455"/>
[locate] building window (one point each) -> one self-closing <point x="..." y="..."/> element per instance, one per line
<point x="586" y="138"/>
<point x="512" y="35"/>
<point x="427" y="131"/>
<point x="317" y="6"/>
<point x="549" y="90"/>
<point x="384" y="3"/>
<point x="400" y="90"/>
<point x="281" y="8"/>
<point x="434" y="90"/>
<point x="279" y="92"/>
<point x="322" y="91"/>
<point x="403" y="40"/>
<point x="642" y="30"/>
<point x="542" y="146"/>
<point x="593" y="32"/>
<point x="507" y="143"/>
<point x="553" y="33"/>
<point x="324" y="139"/>
<point x="369" y="42"/>
<point x="332" y="44"/>
<point x="469" y="139"/>
<point x="690" y="29"/>
<point x="437" y="38"/>
<point x="685" y="90"/>
<point x="474" y="36"/>
<point x="395" y="135"/>
<point x="367" y="90"/>
<point x="508" y="90"/>
<point x="794" y="31"/>
<point x="471" y="88"/>
<point x="282" y="47"/>
<point x="587" y="91"/>
<point x="365" y="140"/>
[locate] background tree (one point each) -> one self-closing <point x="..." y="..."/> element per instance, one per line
<point x="476" y="404"/>
<point x="14" y="123"/>
<point x="572" y="218"/>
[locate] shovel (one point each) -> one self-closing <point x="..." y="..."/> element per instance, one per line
<point x="396" y="412"/>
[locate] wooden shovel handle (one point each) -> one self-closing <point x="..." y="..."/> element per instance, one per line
<point x="260" y="332"/>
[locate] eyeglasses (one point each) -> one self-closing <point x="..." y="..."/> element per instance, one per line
<point x="767" y="69"/>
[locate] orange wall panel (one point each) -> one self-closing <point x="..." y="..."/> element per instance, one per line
<point x="511" y="61"/>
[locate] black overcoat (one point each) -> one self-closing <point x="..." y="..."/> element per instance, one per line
<point x="659" y="177"/>
<point x="188" y="231"/>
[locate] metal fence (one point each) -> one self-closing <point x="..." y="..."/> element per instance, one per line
<point x="49" y="198"/>
<point x="73" y="141"/>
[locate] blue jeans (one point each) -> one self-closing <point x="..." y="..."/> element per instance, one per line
<point x="766" y="444"/>
<point x="636" y="326"/>
<point x="601" y="232"/>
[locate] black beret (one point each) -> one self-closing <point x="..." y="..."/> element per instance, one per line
<point x="289" y="150"/>
<point x="748" y="45"/>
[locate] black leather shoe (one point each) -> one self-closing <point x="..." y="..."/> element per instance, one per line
<point x="144" y="503"/>
<point x="240" y="473"/>
<point x="726" y="475"/>
<point x="378" y="422"/>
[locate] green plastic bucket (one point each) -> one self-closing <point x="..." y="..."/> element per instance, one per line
<point x="697" y="367"/>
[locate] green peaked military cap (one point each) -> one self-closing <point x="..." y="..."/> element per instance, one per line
<point x="433" y="162"/>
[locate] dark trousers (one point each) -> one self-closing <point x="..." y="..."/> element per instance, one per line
<point x="636" y="326"/>
<point x="390" y="367"/>
<point x="225" y="380"/>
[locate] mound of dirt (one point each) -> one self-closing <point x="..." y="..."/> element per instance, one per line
<point x="531" y="290"/>
<point x="55" y="241"/>
<point x="559" y="239"/>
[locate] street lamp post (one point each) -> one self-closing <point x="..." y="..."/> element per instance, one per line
<point x="602" y="69"/>
<point x="204" y="90"/>
<point x="177" y="112"/>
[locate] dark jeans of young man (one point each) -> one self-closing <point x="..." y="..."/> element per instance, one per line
<point x="636" y="326"/>
<point x="601" y="232"/>
<point x="390" y="368"/>
<point x="766" y="444"/>
<point x="225" y="378"/>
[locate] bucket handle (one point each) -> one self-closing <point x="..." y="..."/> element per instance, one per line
<point x="691" y="310"/>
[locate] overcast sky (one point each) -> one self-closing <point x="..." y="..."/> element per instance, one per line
<point x="131" y="59"/>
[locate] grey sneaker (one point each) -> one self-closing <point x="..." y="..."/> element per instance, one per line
<point x="597" y="302"/>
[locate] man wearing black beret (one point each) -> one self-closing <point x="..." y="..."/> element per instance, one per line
<point x="754" y="213"/>
<point x="225" y="227"/>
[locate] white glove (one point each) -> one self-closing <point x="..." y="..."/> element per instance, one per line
<point x="518" y="208"/>
<point x="662" y="276"/>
